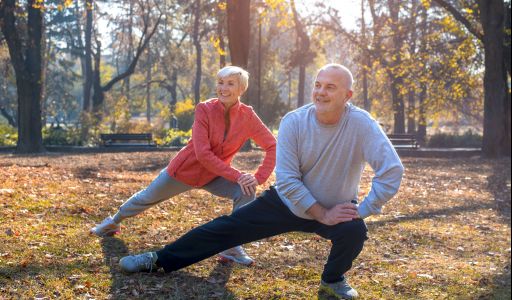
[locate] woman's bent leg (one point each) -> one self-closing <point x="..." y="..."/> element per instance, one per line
<point x="224" y="188"/>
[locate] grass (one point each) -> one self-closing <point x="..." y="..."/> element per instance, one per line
<point x="446" y="235"/>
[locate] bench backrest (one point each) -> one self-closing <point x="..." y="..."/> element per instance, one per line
<point x="401" y="136"/>
<point x="126" y="136"/>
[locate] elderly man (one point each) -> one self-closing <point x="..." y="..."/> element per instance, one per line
<point x="322" y="148"/>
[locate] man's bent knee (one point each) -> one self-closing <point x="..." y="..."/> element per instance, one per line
<point x="354" y="230"/>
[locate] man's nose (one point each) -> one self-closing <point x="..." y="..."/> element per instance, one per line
<point x="320" y="90"/>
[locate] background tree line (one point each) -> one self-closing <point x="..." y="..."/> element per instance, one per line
<point x="96" y="66"/>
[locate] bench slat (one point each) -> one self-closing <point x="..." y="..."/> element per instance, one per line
<point x="403" y="141"/>
<point x="126" y="139"/>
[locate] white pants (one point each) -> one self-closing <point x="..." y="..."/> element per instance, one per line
<point x="164" y="187"/>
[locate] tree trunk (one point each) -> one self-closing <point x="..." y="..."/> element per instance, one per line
<point x="28" y="73"/>
<point x="396" y="80"/>
<point x="303" y="55"/>
<point x="148" y="88"/>
<point x="98" y="96"/>
<point x="88" y="55"/>
<point x="199" y="52"/>
<point x="174" y="87"/>
<point x="421" y="135"/>
<point x="30" y="138"/>
<point x="508" y="40"/>
<point x="302" y="83"/>
<point x="130" y="53"/>
<point x="46" y="49"/>
<point x="398" y="104"/>
<point x="366" y="64"/>
<point x="221" y="22"/>
<point x="239" y="31"/>
<point x="411" y="113"/>
<point x="496" y="138"/>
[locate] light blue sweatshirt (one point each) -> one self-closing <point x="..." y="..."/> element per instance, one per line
<point x="322" y="163"/>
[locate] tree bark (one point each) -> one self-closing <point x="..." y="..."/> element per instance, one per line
<point x="148" y="87"/>
<point x="199" y="52"/>
<point x="496" y="138"/>
<point x="27" y="62"/>
<point x="174" y="87"/>
<point x="396" y="81"/>
<point x="88" y="55"/>
<point x="239" y="31"/>
<point x="129" y="53"/>
<point x="221" y="22"/>
<point x="398" y="103"/>
<point x="411" y="112"/>
<point x="421" y="135"/>
<point x="302" y="55"/>
<point x="98" y="96"/>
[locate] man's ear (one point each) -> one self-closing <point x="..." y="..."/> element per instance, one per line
<point x="349" y="95"/>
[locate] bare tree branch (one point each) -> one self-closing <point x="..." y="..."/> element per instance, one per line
<point x="143" y="42"/>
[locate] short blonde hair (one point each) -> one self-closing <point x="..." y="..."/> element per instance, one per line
<point x="243" y="75"/>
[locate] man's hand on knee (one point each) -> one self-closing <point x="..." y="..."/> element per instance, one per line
<point x="338" y="214"/>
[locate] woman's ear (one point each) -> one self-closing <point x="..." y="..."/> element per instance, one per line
<point x="241" y="91"/>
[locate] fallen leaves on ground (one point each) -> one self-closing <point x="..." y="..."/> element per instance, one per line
<point x="446" y="235"/>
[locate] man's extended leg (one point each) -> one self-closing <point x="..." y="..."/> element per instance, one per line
<point x="266" y="216"/>
<point x="222" y="187"/>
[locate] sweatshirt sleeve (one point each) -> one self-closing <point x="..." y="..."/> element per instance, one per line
<point x="288" y="174"/>
<point x="382" y="157"/>
<point x="203" y="149"/>
<point x="266" y="140"/>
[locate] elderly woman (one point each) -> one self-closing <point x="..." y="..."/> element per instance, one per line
<point x="221" y="127"/>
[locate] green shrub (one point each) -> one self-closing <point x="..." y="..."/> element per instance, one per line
<point x="8" y="135"/>
<point x="185" y="114"/>
<point x="466" y="140"/>
<point x="175" y="138"/>
<point x="61" y="136"/>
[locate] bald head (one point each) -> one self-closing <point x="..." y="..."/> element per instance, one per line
<point x="344" y="72"/>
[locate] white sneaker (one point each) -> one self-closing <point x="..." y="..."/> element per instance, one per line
<point x="236" y="254"/>
<point x="106" y="228"/>
<point x="340" y="290"/>
<point x="145" y="262"/>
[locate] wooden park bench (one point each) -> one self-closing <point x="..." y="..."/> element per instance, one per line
<point x="404" y="141"/>
<point x="127" y="140"/>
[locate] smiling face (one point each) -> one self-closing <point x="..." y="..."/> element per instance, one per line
<point x="229" y="90"/>
<point x="330" y="94"/>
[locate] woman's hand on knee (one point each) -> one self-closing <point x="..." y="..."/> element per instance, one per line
<point x="248" y="183"/>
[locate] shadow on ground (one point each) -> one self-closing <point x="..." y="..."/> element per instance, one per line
<point x="433" y="214"/>
<point x="159" y="285"/>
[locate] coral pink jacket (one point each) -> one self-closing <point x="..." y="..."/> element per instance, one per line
<point x="209" y="152"/>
